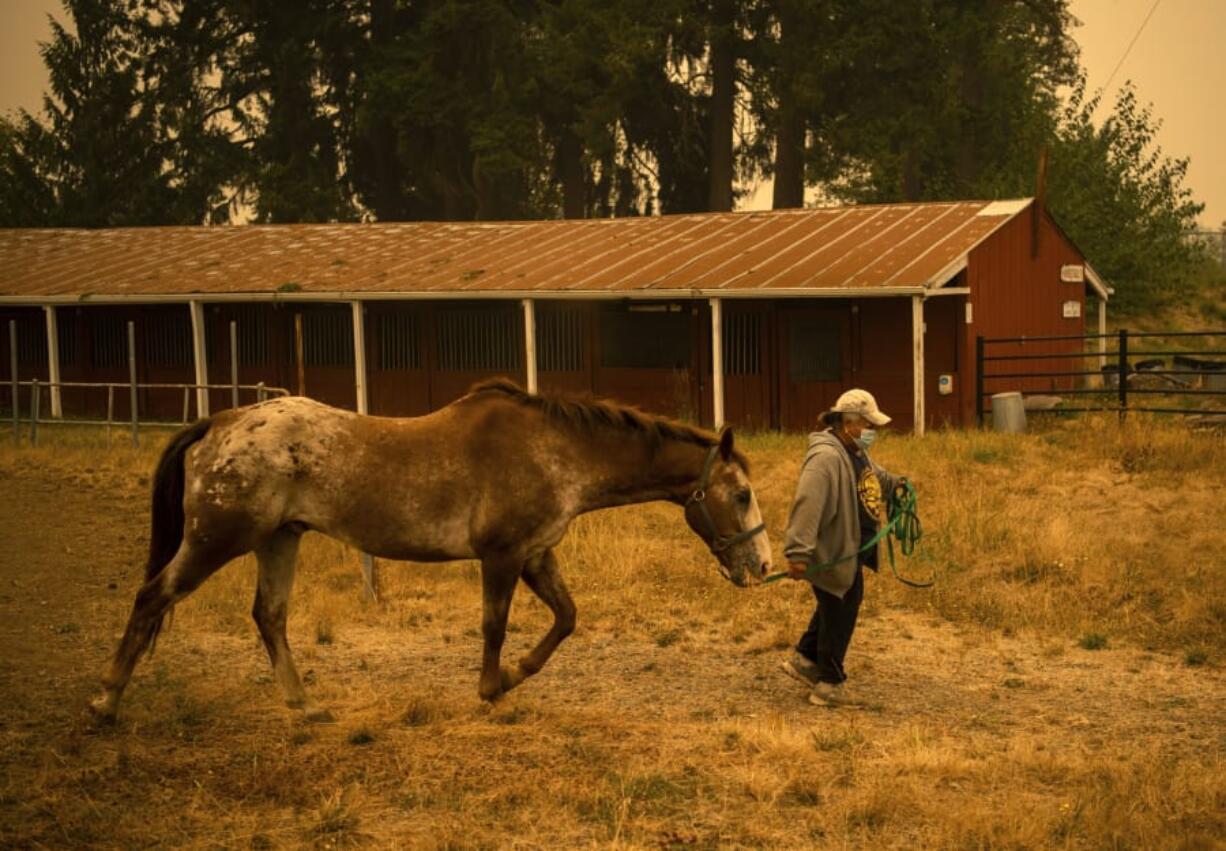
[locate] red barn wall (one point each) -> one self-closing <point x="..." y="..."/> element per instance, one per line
<point x="883" y="357"/>
<point x="944" y="317"/>
<point x="1015" y="294"/>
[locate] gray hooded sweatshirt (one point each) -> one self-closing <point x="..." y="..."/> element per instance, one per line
<point x="824" y="523"/>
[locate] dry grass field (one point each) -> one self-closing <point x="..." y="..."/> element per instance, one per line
<point x="1061" y="686"/>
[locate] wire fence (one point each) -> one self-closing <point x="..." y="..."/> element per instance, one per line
<point x="34" y="416"/>
<point x="1179" y="379"/>
<point x="133" y="387"/>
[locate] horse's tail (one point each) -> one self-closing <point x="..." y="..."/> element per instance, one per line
<point x="166" y="533"/>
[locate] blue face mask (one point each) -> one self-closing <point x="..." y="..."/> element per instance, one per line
<point x="866" y="438"/>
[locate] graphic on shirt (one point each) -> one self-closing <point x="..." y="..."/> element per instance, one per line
<point x="869" y="489"/>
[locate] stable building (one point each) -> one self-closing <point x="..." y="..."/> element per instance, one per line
<point x="757" y="319"/>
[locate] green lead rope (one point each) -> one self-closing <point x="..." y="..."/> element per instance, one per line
<point x="902" y="524"/>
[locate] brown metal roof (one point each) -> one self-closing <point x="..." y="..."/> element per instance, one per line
<point x="837" y="248"/>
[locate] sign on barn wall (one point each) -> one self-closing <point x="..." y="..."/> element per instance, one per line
<point x="1073" y="273"/>
<point x="1072" y="309"/>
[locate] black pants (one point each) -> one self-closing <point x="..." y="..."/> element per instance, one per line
<point x="825" y="641"/>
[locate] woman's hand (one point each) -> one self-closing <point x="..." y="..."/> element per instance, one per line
<point x="797" y="569"/>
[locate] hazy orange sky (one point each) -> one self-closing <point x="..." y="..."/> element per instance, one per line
<point x="1177" y="64"/>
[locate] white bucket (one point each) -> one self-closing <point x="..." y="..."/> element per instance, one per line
<point x="1008" y="413"/>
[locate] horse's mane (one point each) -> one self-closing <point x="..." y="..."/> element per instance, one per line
<point x="588" y="414"/>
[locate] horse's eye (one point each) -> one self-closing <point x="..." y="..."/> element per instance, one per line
<point x="742" y="497"/>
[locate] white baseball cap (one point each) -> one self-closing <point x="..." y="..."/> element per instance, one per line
<point x="857" y="401"/>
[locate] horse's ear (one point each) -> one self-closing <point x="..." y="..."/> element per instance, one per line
<point x="725" y="445"/>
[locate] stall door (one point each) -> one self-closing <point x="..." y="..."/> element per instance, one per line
<point x="646" y="357"/>
<point x="747" y="373"/>
<point x="814" y="362"/>
<point x="396" y="360"/>
<point x="563" y="350"/>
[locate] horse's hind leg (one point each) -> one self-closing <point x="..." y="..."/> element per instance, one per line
<point x="278" y="556"/>
<point x="182" y="575"/>
<point x="541" y="575"/>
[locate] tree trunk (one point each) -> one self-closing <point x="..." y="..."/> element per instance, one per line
<point x="789" y="161"/>
<point x="387" y="198"/>
<point x="723" y="95"/>
<point x="912" y="180"/>
<point x="789" y="190"/>
<point x="572" y="174"/>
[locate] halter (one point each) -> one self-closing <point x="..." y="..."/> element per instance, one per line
<point x="699" y="496"/>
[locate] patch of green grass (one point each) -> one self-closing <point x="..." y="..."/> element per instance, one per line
<point x="669" y="637"/>
<point x="361" y="736"/>
<point x="1092" y="641"/>
<point x="1195" y="658"/>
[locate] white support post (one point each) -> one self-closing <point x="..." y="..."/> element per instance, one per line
<point x="717" y="363"/>
<point x="359" y="355"/>
<point x="199" y="358"/>
<point x="917" y="357"/>
<point x="370" y="570"/>
<point x="530" y="343"/>
<point x="53" y="360"/>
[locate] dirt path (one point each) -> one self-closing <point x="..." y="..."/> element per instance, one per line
<point x="71" y="547"/>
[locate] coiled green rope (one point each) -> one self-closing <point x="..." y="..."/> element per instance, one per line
<point x="902" y="525"/>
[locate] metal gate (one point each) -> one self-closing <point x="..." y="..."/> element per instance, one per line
<point x="1136" y="372"/>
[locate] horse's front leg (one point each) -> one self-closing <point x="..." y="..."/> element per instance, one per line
<point x="541" y="575"/>
<point x="499" y="575"/>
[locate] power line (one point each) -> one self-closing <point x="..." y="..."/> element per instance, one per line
<point x="1128" y="49"/>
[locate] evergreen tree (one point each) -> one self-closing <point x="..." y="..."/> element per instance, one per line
<point x="97" y="156"/>
<point x="951" y="100"/>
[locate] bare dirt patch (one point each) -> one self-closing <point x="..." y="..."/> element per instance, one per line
<point x="663" y="722"/>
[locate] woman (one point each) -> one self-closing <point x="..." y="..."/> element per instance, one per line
<point x="836" y="510"/>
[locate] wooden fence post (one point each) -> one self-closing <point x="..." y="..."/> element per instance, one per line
<point x="370" y="579"/>
<point x="132" y="381"/>
<point x="16" y="386"/>
<point x="35" y="387"/>
<point x="233" y="364"/>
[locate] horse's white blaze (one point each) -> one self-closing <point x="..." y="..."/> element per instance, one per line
<point x="761" y="544"/>
<point x="751" y="518"/>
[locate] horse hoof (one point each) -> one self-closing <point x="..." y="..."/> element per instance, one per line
<point x="490" y="695"/>
<point x="511" y="677"/>
<point x="101" y="710"/>
<point x="319" y="715"/>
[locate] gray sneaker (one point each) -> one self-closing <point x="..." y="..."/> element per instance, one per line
<point x="830" y="694"/>
<point x="801" y="669"/>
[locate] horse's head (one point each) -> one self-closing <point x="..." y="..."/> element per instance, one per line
<point x="723" y="511"/>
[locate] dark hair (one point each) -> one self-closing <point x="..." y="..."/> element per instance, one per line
<point x="834" y="419"/>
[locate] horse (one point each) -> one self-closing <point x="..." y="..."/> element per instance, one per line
<point x="498" y="475"/>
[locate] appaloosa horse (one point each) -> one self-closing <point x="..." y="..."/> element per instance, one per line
<point x="498" y="475"/>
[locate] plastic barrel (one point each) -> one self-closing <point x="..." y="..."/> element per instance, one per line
<point x="1008" y="413"/>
